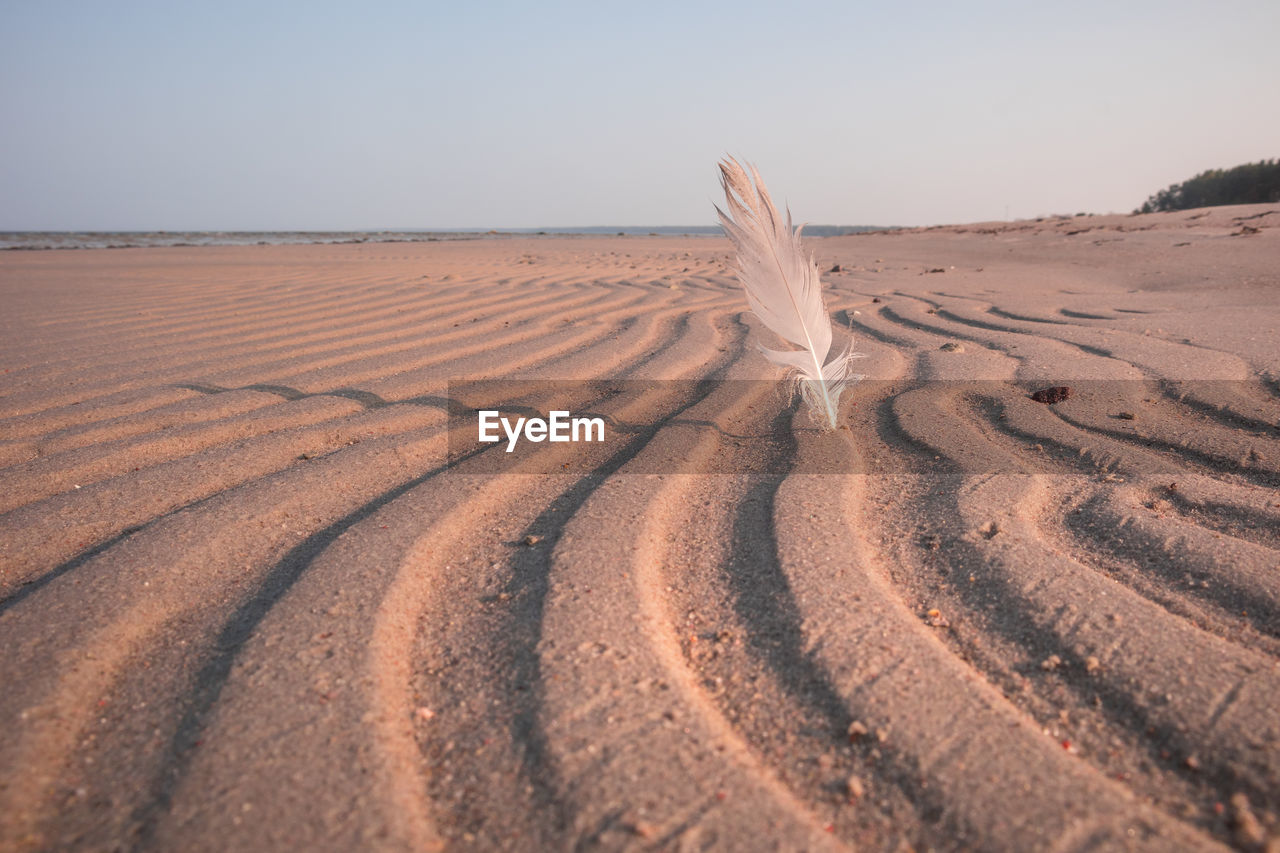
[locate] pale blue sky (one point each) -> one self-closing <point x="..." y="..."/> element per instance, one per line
<point x="260" y="115"/>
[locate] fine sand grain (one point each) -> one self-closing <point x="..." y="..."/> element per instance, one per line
<point x="250" y="601"/>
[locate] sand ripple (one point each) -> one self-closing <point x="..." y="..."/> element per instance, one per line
<point x="248" y="601"/>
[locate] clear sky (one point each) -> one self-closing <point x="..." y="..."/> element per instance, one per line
<point x="264" y="116"/>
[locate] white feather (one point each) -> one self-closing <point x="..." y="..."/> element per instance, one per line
<point x="784" y="290"/>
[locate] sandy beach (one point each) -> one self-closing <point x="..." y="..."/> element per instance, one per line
<point x="250" y="600"/>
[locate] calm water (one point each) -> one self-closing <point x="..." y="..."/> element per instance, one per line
<point x="132" y="239"/>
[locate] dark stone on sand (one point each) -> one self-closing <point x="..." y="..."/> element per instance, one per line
<point x="1055" y="394"/>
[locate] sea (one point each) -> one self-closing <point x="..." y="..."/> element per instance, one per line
<point x="35" y="240"/>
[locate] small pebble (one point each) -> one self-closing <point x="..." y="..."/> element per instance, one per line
<point x="1051" y="663"/>
<point x="531" y="540"/>
<point x="856" y="730"/>
<point x="854" y="787"/>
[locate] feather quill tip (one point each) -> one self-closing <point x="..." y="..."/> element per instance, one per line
<point x="784" y="289"/>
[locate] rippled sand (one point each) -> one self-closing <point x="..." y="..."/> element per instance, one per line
<point x="247" y="603"/>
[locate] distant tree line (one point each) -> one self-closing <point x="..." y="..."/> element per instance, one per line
<point x="1252" y="183"/>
